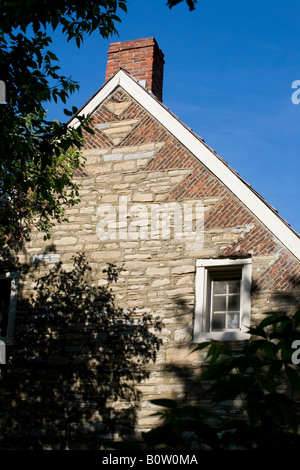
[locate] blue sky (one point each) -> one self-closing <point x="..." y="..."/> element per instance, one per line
<point x="229" y="69"/>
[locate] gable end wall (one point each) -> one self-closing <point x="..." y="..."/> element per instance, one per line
<point x="134" y="159"/>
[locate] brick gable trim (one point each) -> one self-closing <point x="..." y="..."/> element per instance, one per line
<point x="251" y="199"/>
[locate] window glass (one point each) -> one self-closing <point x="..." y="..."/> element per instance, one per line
<point x="218" y="322"/>
<point x="225" y="305"/>
<point x="233" y="321"/>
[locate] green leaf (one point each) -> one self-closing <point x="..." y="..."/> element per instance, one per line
<point x="67" y="112"/>
<point x="293" y="377"/>
<point x="52" y="55"/>
<point x="165" y="403"/>
<point x="297" y="317"/>
<point x="215" y="350"/>
<point x="258" y="331"/>
<point x="274" y="369"/>
<point x="270" y="350"/>
<point x="201" y="346"/>
<point x="273" y="320"/>
<point x="123" y="6"/>
<point x="89" y="130"/>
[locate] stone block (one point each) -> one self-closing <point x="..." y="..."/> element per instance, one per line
<point x="183" y="269"/>
<point x="70" y="241"/>
<point x="157" y="271"/>
<point x="124" y="166"/>
<point x="181" y="354"/>
<point x="142" y="197"/>
<point x="160" y="282"/>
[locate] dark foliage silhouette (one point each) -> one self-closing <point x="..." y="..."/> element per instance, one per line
<point x="70" y="381"/>
<point x="248" y="397"/>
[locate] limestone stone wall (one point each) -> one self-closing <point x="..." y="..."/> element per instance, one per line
<point x="135" y="169"/>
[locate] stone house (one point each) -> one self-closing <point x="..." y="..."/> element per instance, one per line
<point x="197" y="246"/>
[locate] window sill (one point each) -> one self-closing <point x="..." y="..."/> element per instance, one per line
<point x="221" y="336"/>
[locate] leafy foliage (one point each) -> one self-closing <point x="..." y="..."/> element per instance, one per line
<point x="36" y="165"/>
<point x="253" y="392"/>
<point x="38" y="157"/>
<point x="76" y="17"/>
<point x="190" y="3"/>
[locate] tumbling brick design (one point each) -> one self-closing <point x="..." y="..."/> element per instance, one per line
<point x="199" y="183"/>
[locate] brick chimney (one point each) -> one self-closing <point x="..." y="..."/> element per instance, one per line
<point x="142" y="59"/>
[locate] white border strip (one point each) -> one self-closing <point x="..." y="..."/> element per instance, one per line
<point x="200" y="332"/>
<point x="273" y="223"/>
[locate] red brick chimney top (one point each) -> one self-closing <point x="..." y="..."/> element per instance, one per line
<point x="142" y="59"/>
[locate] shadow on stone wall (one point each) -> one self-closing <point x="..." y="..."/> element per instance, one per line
<point x="69" y="381"/>
<point x="194" y="421"/>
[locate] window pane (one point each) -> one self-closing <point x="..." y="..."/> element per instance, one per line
<point x="219" y="304"/>
<point x="219" y="287"/>
<point x="233" y="321"/>
<point x="234" y="287"/>
<point x="218" y="322"/>
<point x="234" y="303"/>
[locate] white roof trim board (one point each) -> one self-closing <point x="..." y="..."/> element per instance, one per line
<point x="207" y="156"/>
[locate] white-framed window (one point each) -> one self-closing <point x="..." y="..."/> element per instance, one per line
<point x="8" y="305"/>
<point x="223" y="299"/>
